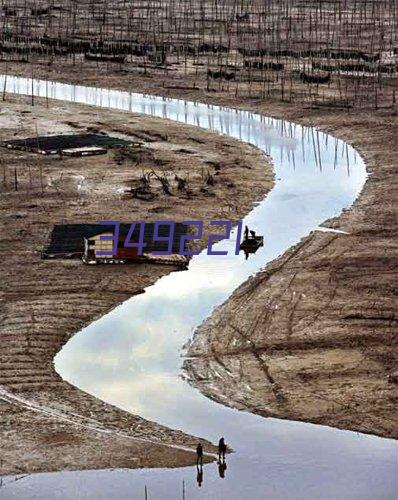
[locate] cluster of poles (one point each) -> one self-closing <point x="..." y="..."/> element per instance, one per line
<point x="335" y="52"/>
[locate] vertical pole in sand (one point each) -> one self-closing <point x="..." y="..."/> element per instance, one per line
<point x="183" y="489"/>
<point x="4" y="175"/>
<point x="5" y="83"/>
<point x="33" y="98"/>
<point x="146" y="493"/>
<point x="46" y="91"/>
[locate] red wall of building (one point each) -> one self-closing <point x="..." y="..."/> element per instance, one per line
<point x="128" y="253"/>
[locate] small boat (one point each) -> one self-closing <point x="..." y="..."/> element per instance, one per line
<point x="252" y="244"/>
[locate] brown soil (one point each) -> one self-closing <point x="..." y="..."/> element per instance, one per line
<point x="330" y="53"/>
<point x="317" y="339"/>
<point x="328" y="347"/>
<point x="46" y="424"/>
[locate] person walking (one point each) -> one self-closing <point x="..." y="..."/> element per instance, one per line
<point x="222" y="448"/>
<point x="199" y="453"/>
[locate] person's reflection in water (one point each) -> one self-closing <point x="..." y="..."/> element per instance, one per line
<point x="222" y="467"/>
<point x="199" y="474"/>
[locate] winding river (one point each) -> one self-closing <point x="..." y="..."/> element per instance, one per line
<point x="132" y="357"/>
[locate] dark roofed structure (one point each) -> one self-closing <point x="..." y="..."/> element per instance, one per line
<point x="53" y="144"/>
<point x="67" y="240"/>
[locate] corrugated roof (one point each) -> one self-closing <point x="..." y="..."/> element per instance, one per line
<point x="65" y="141"/>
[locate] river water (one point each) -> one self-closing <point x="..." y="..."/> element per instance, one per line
<point x="132" y="357"/>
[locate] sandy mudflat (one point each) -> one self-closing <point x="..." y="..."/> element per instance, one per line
<point x="46" y="424"/>
<point x="332" y="354"/>
<point x="322" y="319"/>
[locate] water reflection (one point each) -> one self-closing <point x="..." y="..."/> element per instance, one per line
<point x="199" y="474"/>
<point x="131" y="357"/>
<point x="222" y="467"/>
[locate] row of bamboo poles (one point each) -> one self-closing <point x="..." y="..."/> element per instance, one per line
<point x="332" y="52"/>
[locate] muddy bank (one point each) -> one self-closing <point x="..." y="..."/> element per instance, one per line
<point x="365" y="272"/>
<point x="313" y="336"/>
<point x="46" y="424"/>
